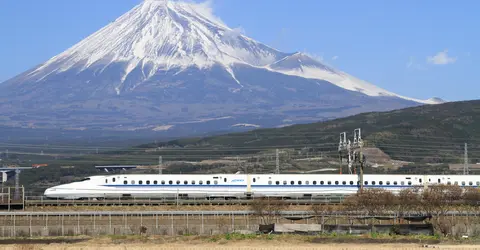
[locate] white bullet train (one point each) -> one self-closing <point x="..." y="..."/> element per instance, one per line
<point x="243" y="186"/>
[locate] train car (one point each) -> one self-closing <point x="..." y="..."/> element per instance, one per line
<point x="243" y="186"/>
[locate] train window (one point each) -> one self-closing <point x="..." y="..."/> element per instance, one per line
<point x="284" y="182"/>
<point x="133" y="182"/>
<point x="329" y="182"/>
<point x="178" y="182"/>
<point x="366" y="182"/>
<point x="155" y="182"/>
<point x="439" y="181"/>
<point x="292" y="183"/>
<point x="299" y="182"/>
<point x="106" y="180"/>
<point x="200" y="182"/>
<point x="409" y="183"/>
<point x="148" y="182"/>
<point x="254" y="179"/>
<point x="344" y="182"/>
<point x="321" y="182"/>
<point x="470" y="183"/>
<point x="394" y="183"/>
<point x="402" y="183"/>
<point x="208" y="182"/>
<point x="388" y="182"/>
<point x="420" y="180"/>
<point x="277" y="182"/>
<point x="456" y="183"/>
<point x="193" y="182"/>
<point x="170" y="182"/>
<point x="380" y="183"/>
<point x="163" y="182"/>
<point x="113" y="179"/>
<point x="358" y="182"/>
<point x="307" y="183"/>
<point x="224" y="179"/>
<point x="140" y="182"/>
<point x="478" y="183"/>
<point x="336" y="182"/>
<point x="463" y="183"/>
<point x="125" y="182"/>
<point x="185" y="182"/>
<point x="215" y="182"/>
<point x="314" y="182"/>
<point x="373" y="182"/>
<point x="449" y="183"/>
<point x="269" y="182"/>
<point x="351" y="182"/>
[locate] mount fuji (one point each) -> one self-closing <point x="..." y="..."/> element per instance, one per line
<point x="175" y="67"/>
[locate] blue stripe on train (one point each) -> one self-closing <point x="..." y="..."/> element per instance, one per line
<point x="273" y="186"/>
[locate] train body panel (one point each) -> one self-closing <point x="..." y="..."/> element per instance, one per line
<point x="243" y="186"/>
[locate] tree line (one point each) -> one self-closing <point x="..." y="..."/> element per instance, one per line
<point x="435" y="202"/>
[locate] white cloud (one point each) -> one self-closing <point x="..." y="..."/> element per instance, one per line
<point x="441" y="58"/>
<point x="314" y="56"/>
<point x="334" y="58"/>
<point x="412" y="64"/>
<point x="205" y="8"/>
<point x="234" y="33"/>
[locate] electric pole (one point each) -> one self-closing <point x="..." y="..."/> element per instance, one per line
<point x="160" y="165"/>
<point x="353" y="152"/>
<point x="277" y="163"/>
<point x="465" y="161"/>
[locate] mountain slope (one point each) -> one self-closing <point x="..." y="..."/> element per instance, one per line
<point x="302" y="65"/>
<point x="431" y="133"/>
<point x="167" y="65"/>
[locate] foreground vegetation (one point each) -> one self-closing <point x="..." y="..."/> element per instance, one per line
<point x="438" y="203"/>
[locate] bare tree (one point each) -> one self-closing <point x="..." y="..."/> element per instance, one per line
<point x="407" y="201"/>
<point x="371" y="201"/>
<point x="438" y="201"/>
<point x="267" y="209"/>
<point x="471" y="196"/>
<point x="322" y="212"/>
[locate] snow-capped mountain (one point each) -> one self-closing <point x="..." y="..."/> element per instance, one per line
<point x="160" y="35"/>
<point x="166" y="64"/>
<point x="302" y="65"/>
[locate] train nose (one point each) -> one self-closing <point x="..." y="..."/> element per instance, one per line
<point x="49" y="192"/>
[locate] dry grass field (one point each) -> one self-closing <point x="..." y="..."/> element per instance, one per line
<point x="278" y="242"/>
<point x="232" y="246"/>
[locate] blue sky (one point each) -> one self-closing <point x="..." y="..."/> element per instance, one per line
<point x="416" y="48"/>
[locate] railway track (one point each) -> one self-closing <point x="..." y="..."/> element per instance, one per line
<point x="41" y="202"/>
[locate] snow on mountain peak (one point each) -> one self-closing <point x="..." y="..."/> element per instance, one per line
<point x="162" y="34"/>
<point x="303" y="65"/>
